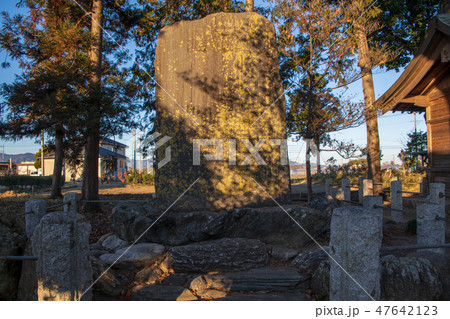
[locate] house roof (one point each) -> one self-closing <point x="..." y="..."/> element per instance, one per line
<point x="106" y="140"/>
<point x="103" y="152"/>
<point x="423" y="73"/>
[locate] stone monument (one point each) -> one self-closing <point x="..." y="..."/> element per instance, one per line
<point x="220" y="100"/>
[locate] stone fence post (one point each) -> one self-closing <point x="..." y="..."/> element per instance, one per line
<point x="345" y="184"/>
<point x="431" y="225"/>
<point x="367" y="187"/>
<point x="73" y="199"/>
<point x="328" y="183"/>
<point x="437" y="193"/>
<point x="396" y="201"/>
<point x="61" y="242"/>
<point x="34" y="211"/>
<point x="355" y="245"/>
<point x="360" y="189"/>
<point x="423" y="185"/>
<point x="374" y="205"/>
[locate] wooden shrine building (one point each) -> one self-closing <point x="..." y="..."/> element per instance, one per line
<point x="424" y="86"/>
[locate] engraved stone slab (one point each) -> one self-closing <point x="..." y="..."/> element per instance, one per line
<point x="220" y="93"/>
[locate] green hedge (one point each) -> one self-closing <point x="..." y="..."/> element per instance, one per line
<point x="144" y="178"/>
<point x="13" y="181"/>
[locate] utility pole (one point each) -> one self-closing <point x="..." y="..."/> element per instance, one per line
<point x="134" y="151"/>
<point x="42" y="152"/>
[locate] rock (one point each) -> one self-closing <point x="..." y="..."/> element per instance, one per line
<point x="223" y="254"/>
<point x="323" y="203"/>
<point x="112" y="243"/>
<point x="182" y="228"/>
<point x="198" y="283"/>
<point x="137" y="256"/>
<point x="273" y="226"/>
<point x="295" y="296"/>
<point x="283" y="253"/>
<point x="149" y="275"/>
<point x="11" y="244"/>
<point x="109" y="283"/>
<point x="268" y="224"/>
<point x="174" y="280"/>
<point x="400" y="274"/>
<point x="211" y="294"/>
<point x="320" y="281"/>
<point x="442" y="265"/>
<point x="161" y="293"/>
<point x="402" y="278"/>
<point x="123" y="216"/>
<point x="259" y="279"/>
<point x="309" y="260"/>
<point x="96" y="253"/>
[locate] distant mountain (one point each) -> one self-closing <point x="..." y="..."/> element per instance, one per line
<point x="18" y="158"/>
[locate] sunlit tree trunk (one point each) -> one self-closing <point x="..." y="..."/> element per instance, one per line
<point x="317" y="143"/>
<point x="90" y="171"/>
<point x="58" y="164"/>
<point x="373" y="140"/>
<point x="308" y="169"/>
<point x="249" y="5"/>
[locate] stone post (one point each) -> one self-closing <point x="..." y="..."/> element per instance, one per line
<point x="328" y="183"/>
<point x="360" y="189"/>
<point x="367" y="187"/>
<point x="61" y="242"/>
<point x="35" y="210"/>
<point x="423" y="185"/>
<point x="431" y="225"/>
<point x="369" y="203"/>
<point x="355" y="245"/>
<point x="73" y="199"/>
<point x="396" y="201"/>
<point x="437" y="193"/>
<point x="345" y="184"/>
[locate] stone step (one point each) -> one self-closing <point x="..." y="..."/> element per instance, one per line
<point x="224" y="254"/>
<point x="282" y="279"/>
<point x="161" y="293"/>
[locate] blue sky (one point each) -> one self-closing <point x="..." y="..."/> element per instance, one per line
<point x="393" y="127"/>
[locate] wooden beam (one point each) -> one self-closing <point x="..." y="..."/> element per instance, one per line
<point x="418" y="100"/>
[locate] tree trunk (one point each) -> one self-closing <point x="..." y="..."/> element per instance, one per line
<point x="58" y="164"/>
<point x="249" y="5"/>
<point x="317" y="143"/>
<point x="308" y="169"/>
<point x="90" y="168"/>
<point x="373" y="141"/>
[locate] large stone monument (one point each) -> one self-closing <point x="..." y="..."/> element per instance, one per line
<point x="220" y="100"/>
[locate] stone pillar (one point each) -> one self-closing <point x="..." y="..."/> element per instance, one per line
<point x="35" y="210"/>
<point x="73" y="199"/>
<point x="367" y="186"/>
<point x="328" y="183"/>
<point x="423" y="185"/>
<point x="61" y="242"/>
<point x="431" y="225"/>
<point x="219" y="80"/>
<point x="396" y="201"/>
<point x="437" y="192"/>
<point x="360" y="189"/>
<point x="369" y="203"/>
<point x="355" y="245"/>
<point x="345" y="184"/>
